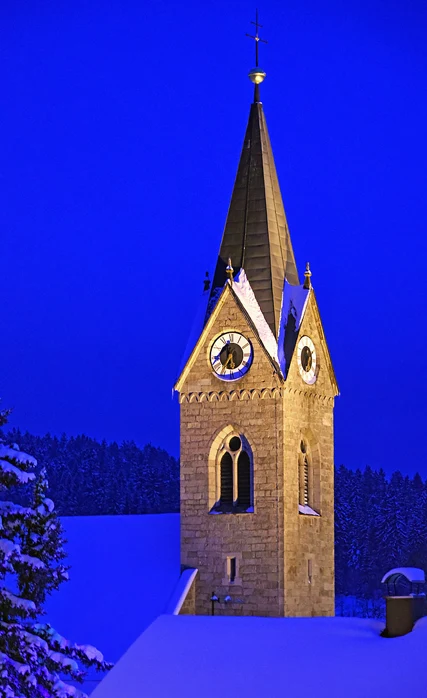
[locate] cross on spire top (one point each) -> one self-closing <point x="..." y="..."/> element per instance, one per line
<point x="256" y="38"/>
<point x="256" y="75"/>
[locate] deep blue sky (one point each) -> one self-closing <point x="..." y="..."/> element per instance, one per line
<point x="122" y="124"/>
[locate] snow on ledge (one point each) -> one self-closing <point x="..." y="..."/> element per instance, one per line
<point x="412" y="574"/>
<point x="180" y="593"/>
<point x="305" y="509"/>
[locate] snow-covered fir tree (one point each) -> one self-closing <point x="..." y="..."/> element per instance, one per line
<point x="35" y="661"/>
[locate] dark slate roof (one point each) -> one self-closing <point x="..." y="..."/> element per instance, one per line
<point x="256" y="235"/>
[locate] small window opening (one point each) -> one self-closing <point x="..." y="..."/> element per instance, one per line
<point x="231" y="569"/>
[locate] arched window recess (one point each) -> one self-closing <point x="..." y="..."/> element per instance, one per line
<point x="308" y="479"/>
<point x="234" y="476"/>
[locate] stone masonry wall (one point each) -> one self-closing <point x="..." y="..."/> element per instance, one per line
<point x="308" y="415"/>
<point x="255" y="538"/>
<point x="274" y="544"/>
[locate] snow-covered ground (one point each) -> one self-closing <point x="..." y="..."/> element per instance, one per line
<point x="272" y="657"/>
<point x="123" y="571"/>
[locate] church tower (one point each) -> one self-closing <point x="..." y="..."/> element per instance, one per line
<point x="256" y="400"/>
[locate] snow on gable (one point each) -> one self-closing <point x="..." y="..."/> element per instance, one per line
<point x="246" y="296"/>
<point x="243" y="293"/>
<point x="294" y="304"/>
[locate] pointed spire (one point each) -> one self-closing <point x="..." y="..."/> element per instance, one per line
<point x="307" y="274"/>
<point x="206" y="282"/>
<point x="256" y="234"/>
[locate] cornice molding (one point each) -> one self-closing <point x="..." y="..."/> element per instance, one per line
<point x="307" y="393"/>
<point x="264" y="394"/>
<point x="230" y="395"/>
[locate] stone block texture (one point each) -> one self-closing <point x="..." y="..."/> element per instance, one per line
<point x="285" y="559"/>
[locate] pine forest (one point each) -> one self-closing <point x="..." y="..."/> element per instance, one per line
<point x="380" y="521"/>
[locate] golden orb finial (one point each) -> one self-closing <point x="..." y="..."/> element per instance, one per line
<point x="229" y="271"/>
<point x="307" y="274"/>
<point x="257" y="76"/>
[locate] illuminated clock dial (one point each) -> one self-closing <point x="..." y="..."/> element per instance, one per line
<point x="231" y="356"/>
<point x="307" y="360"/>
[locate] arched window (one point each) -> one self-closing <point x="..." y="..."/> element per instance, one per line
<point x="234" y="476"/>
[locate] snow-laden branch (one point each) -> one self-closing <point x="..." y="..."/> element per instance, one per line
<point x="20" y="476"/>
<point x="13" y="454"/>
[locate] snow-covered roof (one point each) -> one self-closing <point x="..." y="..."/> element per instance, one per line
<point x="195" y="656"/>
<point x="246" y="296"/>
<point x="294" y="303"/>
<point x="412" y="574"/>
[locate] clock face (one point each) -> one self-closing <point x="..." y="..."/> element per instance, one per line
<point x="307" y="360"/>
<point x="231" y="356"/>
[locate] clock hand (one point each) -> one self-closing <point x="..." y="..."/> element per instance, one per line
<point x="230" y="361"/>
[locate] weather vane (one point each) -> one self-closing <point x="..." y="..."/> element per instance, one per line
<point x="257" y="75"/>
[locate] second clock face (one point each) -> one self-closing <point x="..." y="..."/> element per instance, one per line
<point x="231" y="356"/>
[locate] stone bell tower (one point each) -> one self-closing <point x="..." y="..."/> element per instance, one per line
<point x="256" y="403"/>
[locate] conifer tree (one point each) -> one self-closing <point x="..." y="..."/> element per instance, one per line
<point x="35" y="660"/>
<point x="392" y="530"/>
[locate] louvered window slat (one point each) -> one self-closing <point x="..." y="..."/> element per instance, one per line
<point x="305" y="481"/>
<point x="226" y="479"/>
<point x="244" y="480"/>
